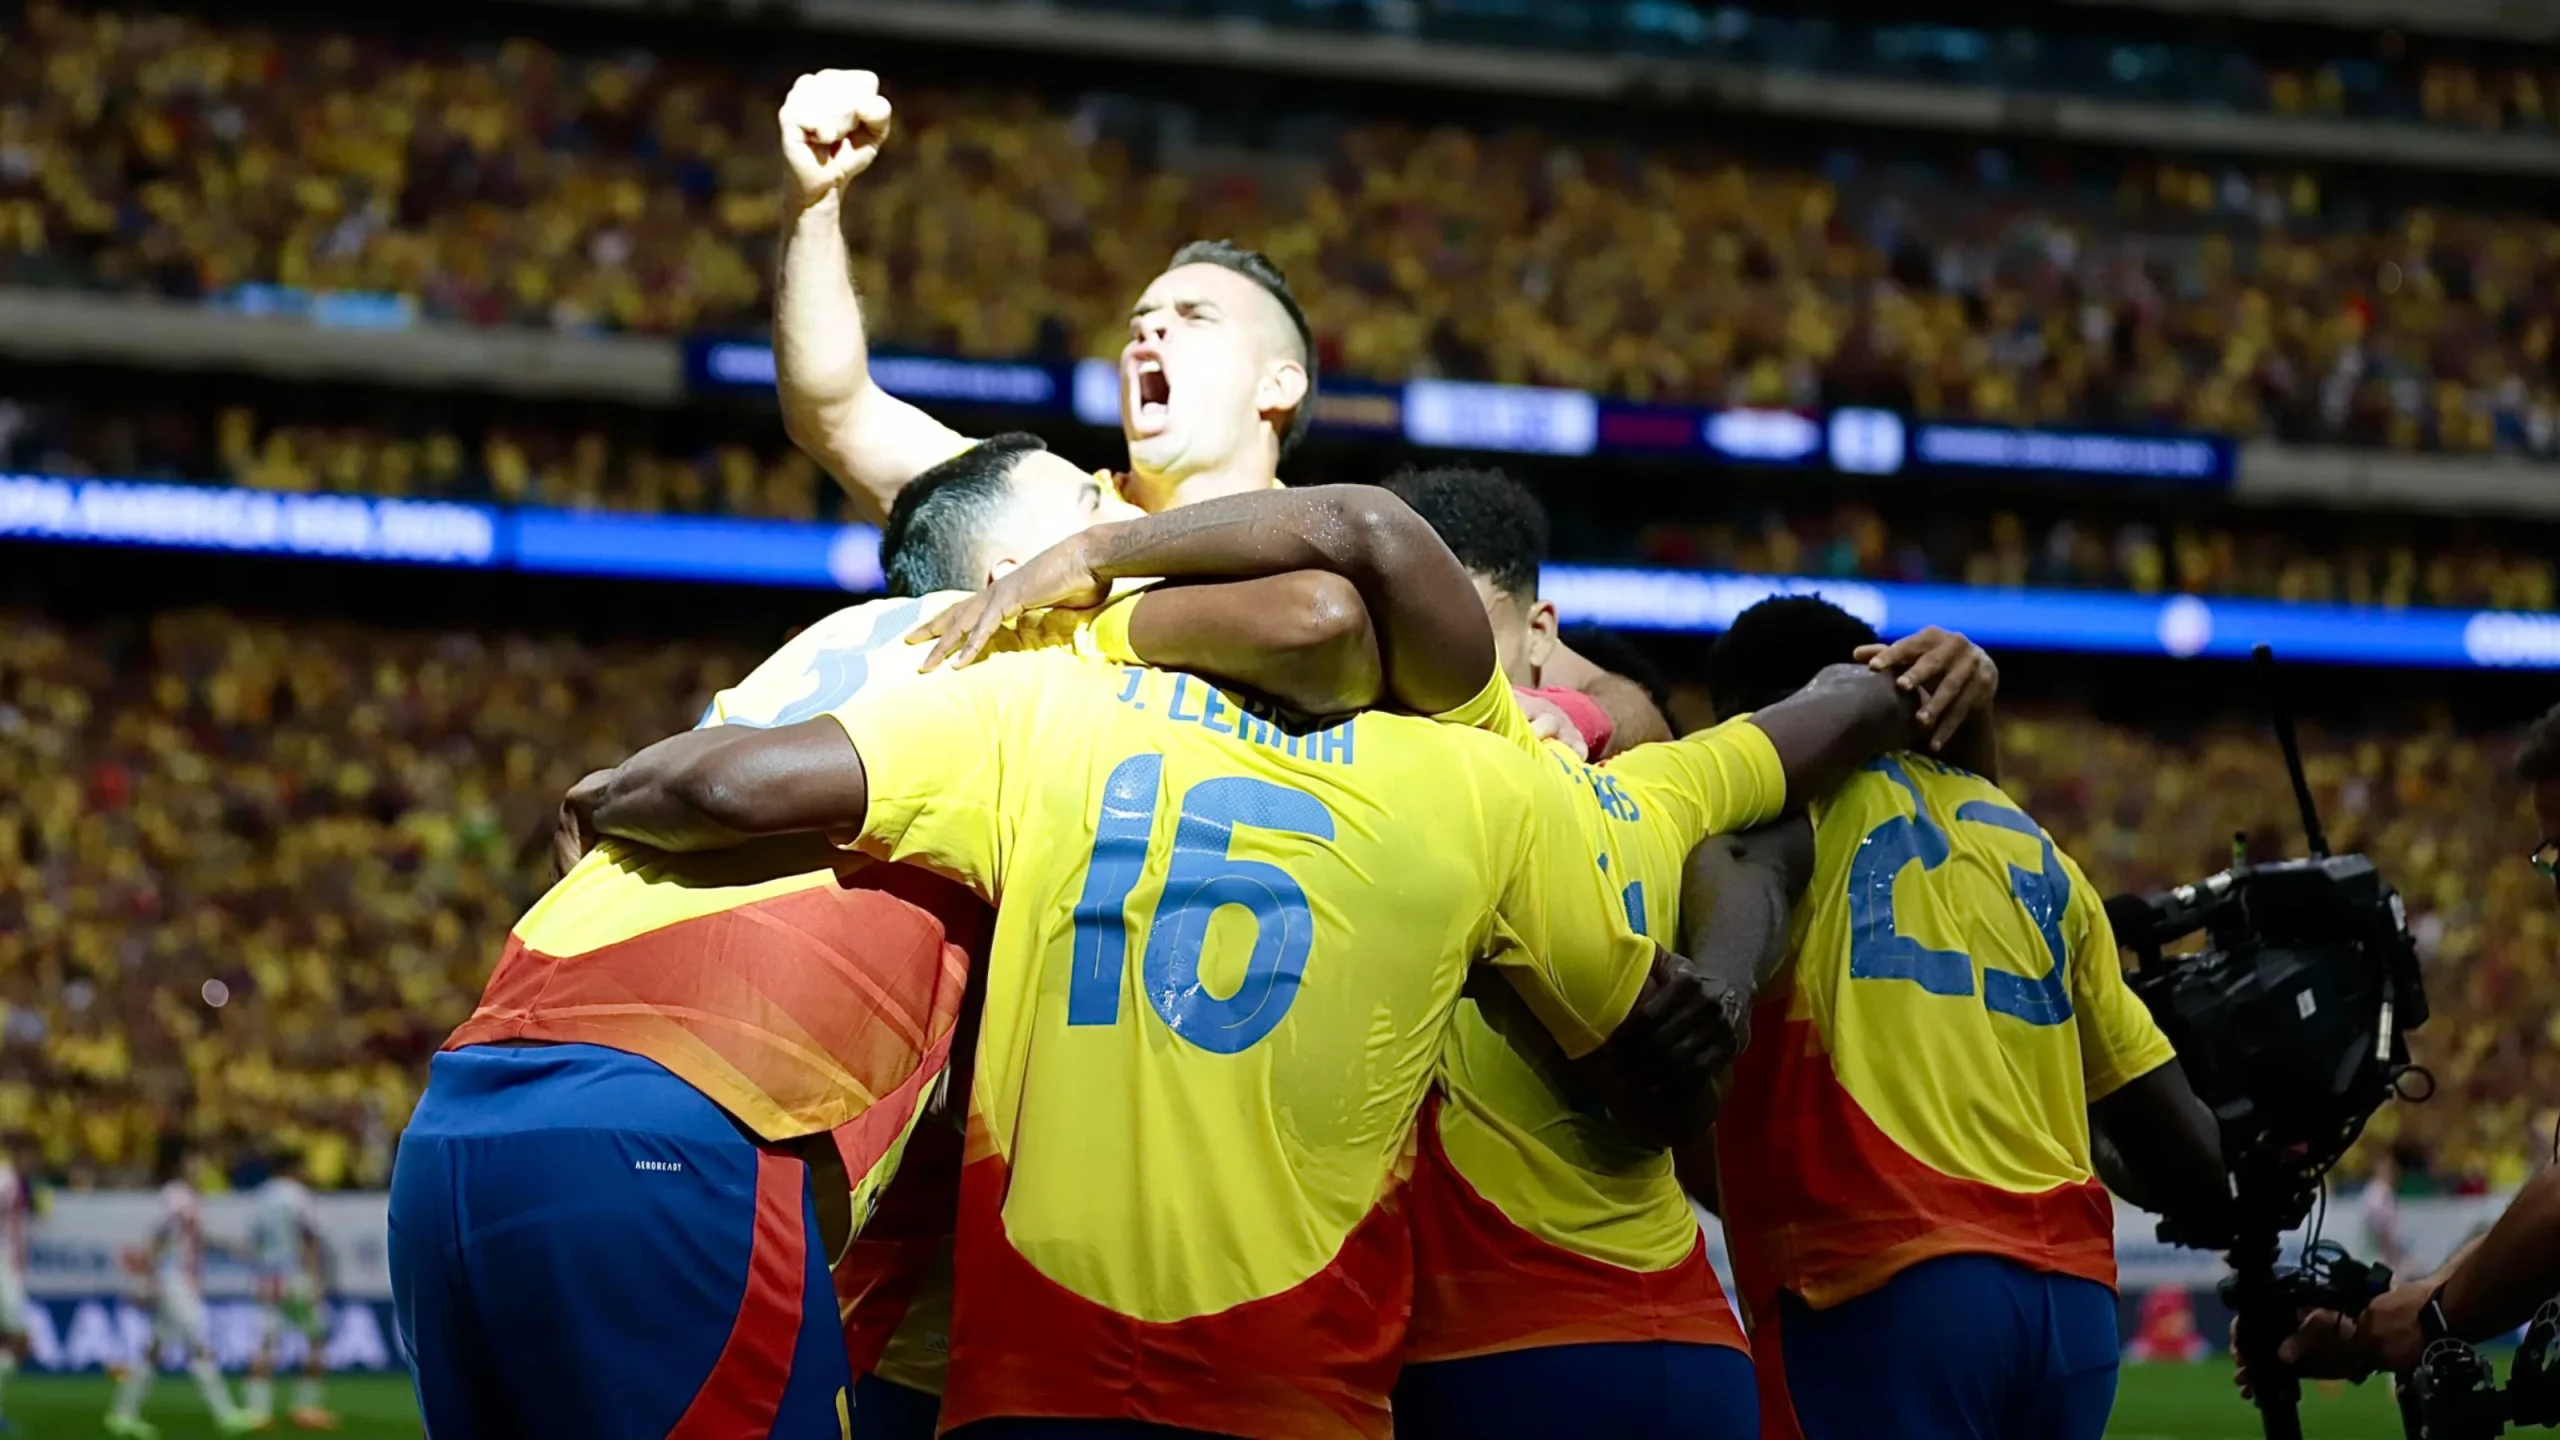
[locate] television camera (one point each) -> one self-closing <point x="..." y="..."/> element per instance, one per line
<point x="2291" y="1020"/>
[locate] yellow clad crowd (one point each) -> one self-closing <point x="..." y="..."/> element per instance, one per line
<point x="327" y="828"/>
<point x="517" y="183"/>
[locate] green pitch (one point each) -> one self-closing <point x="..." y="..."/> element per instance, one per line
<point x="2156" y="1402"/>
<point x="370" y="1407"/>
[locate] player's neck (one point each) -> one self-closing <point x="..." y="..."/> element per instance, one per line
<point x="1236" y="477"/>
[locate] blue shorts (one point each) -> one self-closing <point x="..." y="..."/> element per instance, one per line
<point x="1642" y="1390"/>
<point x="887" y="1410"/>
<point x="582" y="1244"/>
<point x="1965" y="1347"/>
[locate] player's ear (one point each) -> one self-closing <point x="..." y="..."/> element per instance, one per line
<point x="1540" y="645"/>
<point x="1283" y="387"/>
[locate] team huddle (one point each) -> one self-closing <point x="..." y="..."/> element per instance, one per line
<point x="1204" y="958"/>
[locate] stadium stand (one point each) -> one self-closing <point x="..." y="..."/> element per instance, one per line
<point x="518" y="183"/>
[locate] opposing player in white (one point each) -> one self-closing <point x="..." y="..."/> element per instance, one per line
<point x="174" y="1261"/>
<point x="292" y="1260"/>
<point x="17" y="1213"/>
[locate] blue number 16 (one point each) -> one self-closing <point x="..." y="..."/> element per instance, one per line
<point x="1878" y="950"/>
<point x="1202" y="878"/>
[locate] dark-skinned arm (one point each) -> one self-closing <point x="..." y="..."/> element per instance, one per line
<point x="1434" y="644"/>
<point x="1847" y="716"/>
<point x="1694" y="1015"/>
<point x="718" y="787"/>
<point x="1302" y="639"/>
<point x="2158" y="1147"/>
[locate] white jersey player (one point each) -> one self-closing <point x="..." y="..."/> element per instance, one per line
<point x="17" y="1218"/>
<point x="175" y="1262"/>
<point x="291" y="1258"/>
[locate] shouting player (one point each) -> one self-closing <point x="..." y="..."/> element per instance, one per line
<point x="1217" y="379"/>
<point x="603" y="1220"/>
<point x="1215" y="382"/>
<point x="1173" y="1208"/>
<point x="1906" y="1170"/>
<point x="292" y="1261"/>
<point x="174" y="1263"/>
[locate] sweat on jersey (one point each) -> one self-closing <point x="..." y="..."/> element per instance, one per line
<point x="1919" y="1077"/>
<point x="1226" y="955"/>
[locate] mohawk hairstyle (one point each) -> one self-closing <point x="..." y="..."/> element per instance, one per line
<point x="1257" y="267"/>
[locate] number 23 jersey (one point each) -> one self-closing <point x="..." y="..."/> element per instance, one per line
<point x="1225" y="960"/>
<point x="1918" y="1081"/>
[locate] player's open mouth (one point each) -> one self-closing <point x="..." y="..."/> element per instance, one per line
<point x="1152" y="392"/>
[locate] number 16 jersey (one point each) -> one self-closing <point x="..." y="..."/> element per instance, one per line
<point x="1225" y="960"/>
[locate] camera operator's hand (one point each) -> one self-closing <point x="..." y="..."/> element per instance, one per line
<point x="2389" y="1334"/>
<point x="2323" y="1346"/>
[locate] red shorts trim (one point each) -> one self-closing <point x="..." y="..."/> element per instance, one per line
<point x="743" y="1393"/>
<point x="1483" y="1285"/>
<point x="1316" y="1361"/>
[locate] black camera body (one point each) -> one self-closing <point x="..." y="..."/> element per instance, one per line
<point x="2292" y="1021"/>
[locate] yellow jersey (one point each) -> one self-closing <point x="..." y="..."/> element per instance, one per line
<point x="1227" y="951"/>
<point x="1537" y="1220"/>
<point x="839" y="984"/>
<point x="1919" y="1080"/>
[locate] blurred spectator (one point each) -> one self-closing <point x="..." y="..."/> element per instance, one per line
<point x="252" y="872"/>
<point x="514" y="183"/>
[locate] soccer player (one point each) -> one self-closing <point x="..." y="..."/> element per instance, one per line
<point x="1596" y="1306"/>
<point x="17" y="1217"/>
<point x="1217" y="380"/>
<point x="1562" y="1278"/>
<point x="1171" y="1212"/>
<point x="292" y="1261"/>
<point x="604" y="1217"/>
<point x="1905" y="1157"/>
<point x="175" y="1265"/>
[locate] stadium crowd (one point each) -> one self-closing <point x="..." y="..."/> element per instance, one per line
<point x="257" y="870"/>
<point x="261" y="866"/>
<point x="2392" y="76"/>
<point x="516" y="183"/>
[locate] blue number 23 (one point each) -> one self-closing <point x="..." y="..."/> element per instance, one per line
<point x="1202" y="878"/>
<point x="1878" y="950"/>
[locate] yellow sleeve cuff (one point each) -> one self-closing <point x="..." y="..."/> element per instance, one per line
<point x="1110" y="632"/>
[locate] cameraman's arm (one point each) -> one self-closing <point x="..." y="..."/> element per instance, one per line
<point x="2157" y="1146"/>
<point x="2513" y="1269"/>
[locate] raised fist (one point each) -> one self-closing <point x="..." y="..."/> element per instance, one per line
<point x="833" y="122"/>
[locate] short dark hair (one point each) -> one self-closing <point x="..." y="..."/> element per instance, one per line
<point x="2538" y="753"/>
<point x="1257" y="267"/>
<point x="1616" y="653"/>
<point x="1491" y="522"/>
<point x="931" y="540"/>
<point x="1771" y="650"/>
